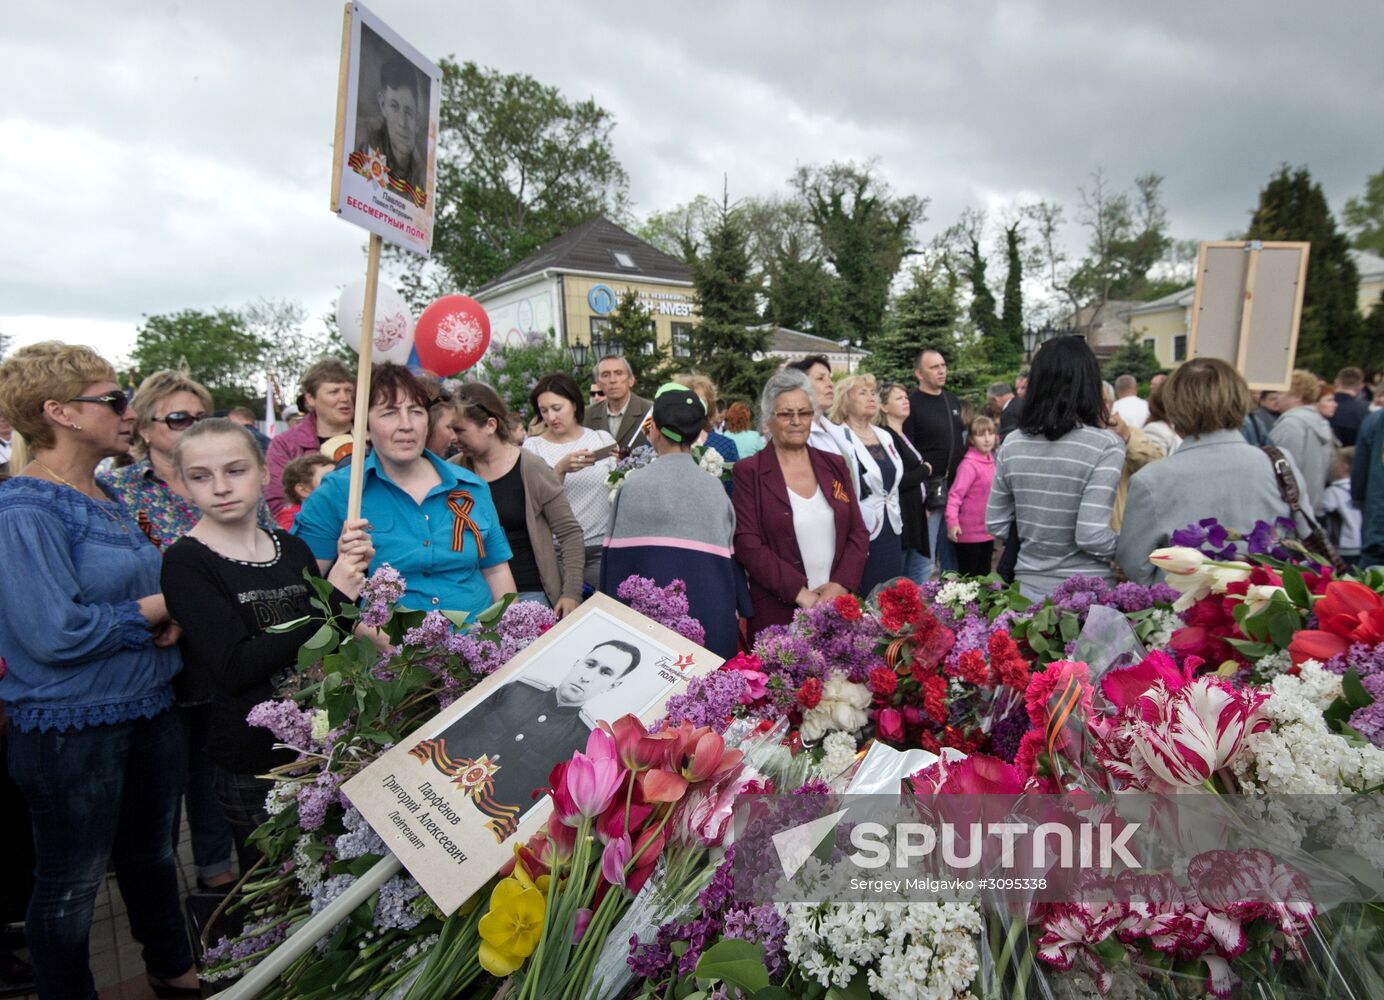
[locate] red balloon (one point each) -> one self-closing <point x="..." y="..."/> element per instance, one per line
<point x="451" y="335"/>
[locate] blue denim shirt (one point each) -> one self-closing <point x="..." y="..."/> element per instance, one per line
<point x="78" y="650"/>
<point x="416" y="539"/>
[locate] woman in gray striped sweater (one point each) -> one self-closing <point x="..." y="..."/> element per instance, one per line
<point x="1056" y="475"/>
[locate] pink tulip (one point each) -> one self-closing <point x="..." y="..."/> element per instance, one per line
<point x="616" y="855"/>
<point x="583" y="921"/>
<point x="591" y="783"/>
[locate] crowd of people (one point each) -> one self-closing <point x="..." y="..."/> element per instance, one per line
<point x="152" y="549"/>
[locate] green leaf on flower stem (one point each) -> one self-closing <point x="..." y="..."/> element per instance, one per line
<point x="288" y="626"/>
<point x="457" y="618"/>
<point x="734" y="962"/>
<point x="1038" y="642"/>
<point x="321" y="638"/>
<point x="774" y="993"/>
<point x="1069" y="627"/>
<point x="1354" y="692"/>
<point x="1253" y="650"/>
<point x="1296" y="587"/>
<point x="1283" y="622"/>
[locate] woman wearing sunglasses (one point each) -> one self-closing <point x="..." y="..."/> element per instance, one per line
<point x="166" y="404"/>
<point x="88" y="690"/>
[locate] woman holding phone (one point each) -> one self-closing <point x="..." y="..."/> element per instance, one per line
<point x="582" y="458"/>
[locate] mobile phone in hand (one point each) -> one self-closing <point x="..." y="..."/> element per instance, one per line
<point x="605" y="452"/>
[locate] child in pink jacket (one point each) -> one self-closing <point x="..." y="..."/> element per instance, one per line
<point x="966" y="500"/>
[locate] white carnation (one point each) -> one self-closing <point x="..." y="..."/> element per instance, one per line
<point x="840" y="751"/>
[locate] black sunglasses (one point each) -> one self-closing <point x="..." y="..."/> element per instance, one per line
<point x="115" y="399"/>
<point x="179" y="420"/>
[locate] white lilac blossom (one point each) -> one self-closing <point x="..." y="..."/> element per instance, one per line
<point x="842" y="708"/>
<point x="906" y="951"/>
<point x="956" y="594"/>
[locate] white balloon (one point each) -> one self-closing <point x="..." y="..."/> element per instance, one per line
<point x="393" y="339"/>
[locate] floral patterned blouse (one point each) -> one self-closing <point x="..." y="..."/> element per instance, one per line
<point x="162" y="514"/>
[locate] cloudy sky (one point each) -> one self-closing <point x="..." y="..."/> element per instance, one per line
<point x="177" y="155"/>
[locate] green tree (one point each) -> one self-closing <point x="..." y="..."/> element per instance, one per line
<point x="1293" y="207"/>
<point x="289" y="347"/>
<point x="517" y="165"/>
<point x="216" y="348"/>
<point x="725" y="341"/>
<point x="922" y="316"/>
<point x="801" y="291"/>
<point x="866" y="231"/>
<point x="512" y="371"/>
<point x="1132" y="358"/>
<point x="1126" y="235"/>
<point x="1012" y="319"/>
<point x="633" y="330"/>
<point x="1372" y="331"/>
<point x="1364" y="216"/>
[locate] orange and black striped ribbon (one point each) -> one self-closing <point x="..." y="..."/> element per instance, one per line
<point x="461" y="503"/>
<point x="418" y="196"/>
<point x="147" y="526"/>
<point x="504" y="820"/>
<point x="894" y="650"/>
<point x="1059" y="711"/>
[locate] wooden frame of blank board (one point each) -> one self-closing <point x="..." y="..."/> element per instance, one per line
<point x="1247" y="307"/>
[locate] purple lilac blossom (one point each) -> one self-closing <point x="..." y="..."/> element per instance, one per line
<point x="314" y="798"/>
<point x="847" y="646"/>
<point x="708" y="701"/>
<point x="251" y="941"/>
<point x="432" y="631"/>
<point x="1006" y="734"/>
<point x="762" y="925"/>
<point x="380" y="593"/>
<point x="289" y="724"/>
<point x="1364" y="659"/>
<point x="665" y="605"/>
<point x="394" y="910"/>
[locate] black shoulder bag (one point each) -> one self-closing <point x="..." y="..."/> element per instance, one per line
<point x="936" y="496"/>
<point x="1316" y="541"/>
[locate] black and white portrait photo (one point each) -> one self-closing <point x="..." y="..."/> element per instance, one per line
<point x="392" y="101"/>
<point x="503" y="749"/>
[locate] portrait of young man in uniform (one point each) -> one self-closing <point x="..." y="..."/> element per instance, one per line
<point x="502" y="750"/>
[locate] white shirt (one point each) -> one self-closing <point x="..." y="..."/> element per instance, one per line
<point x="814" y="524"/>
<point x="1132" y="410"/>
<point x="587" y="491"/>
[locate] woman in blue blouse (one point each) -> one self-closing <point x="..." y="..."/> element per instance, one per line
<point x="91" y="655"/>
<point x="433" y="522"/>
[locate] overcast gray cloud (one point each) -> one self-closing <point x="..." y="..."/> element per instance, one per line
<point x="178" y="155"/>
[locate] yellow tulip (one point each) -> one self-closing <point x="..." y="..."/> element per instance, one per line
<point x="510" y="931"/>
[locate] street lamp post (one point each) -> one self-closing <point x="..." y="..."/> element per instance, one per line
<point x="580" y="352"/>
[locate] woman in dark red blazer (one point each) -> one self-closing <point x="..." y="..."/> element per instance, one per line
<point x="798" y="529"/>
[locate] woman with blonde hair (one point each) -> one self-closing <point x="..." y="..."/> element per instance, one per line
<point x="1213" y="473"/>
<point x="90" y="651"/>
<point x="878" y="473"/>
<point x="706" y="392"/>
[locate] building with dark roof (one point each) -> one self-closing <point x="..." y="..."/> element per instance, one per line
<point x="794" y="345"/>
<point x="567" y="289"/>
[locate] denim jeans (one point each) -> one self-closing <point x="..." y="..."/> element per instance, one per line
<point x="101" y="794"/>
<point x="207" y="828"/>
<point x="916" y="566"/>
<point x="241" y="797"/>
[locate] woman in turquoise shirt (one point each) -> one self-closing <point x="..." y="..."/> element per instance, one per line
<point x="433" y="522"/>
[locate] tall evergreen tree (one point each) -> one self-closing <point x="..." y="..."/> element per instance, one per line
<point x="725" y="341"/>
<point x="1364" y="216"/>
<point x="983" y="315"/>
<point x="922" y="316"/>
<point x="1293" y="207"/>
<point x="1012" y="320"/>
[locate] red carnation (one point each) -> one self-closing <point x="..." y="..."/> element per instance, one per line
<point x="900" y="605"/>
<point x="1007" y="665"/>
<point x="883" y="682"/>
<point x="810" y="694"/>
<point x="971" y="667"/>
<point x="929" y="743"/>
<point x="935" y="696"/>
<point x="848" y="608"/>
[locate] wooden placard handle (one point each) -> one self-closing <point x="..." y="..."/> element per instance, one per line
<point x="367" y="344"/>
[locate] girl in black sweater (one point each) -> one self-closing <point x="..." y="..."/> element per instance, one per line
<point x="228" y="581"/>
